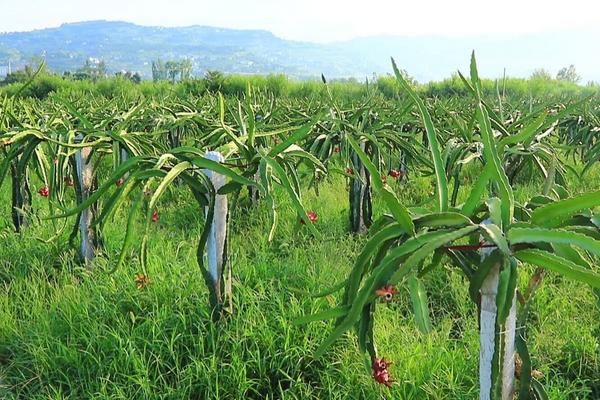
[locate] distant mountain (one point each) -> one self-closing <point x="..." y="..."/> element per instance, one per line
<point x="433" y="58"/>
<point x="126" y="46"/>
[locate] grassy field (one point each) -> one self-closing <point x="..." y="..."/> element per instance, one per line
<point x="68" y="333"/>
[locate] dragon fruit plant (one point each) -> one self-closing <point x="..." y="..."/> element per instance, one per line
<point x="489" y="238"/>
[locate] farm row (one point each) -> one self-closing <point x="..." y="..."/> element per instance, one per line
<point x="83" y="165"/>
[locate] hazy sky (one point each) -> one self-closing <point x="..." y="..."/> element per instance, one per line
<point x="317" y="20"/>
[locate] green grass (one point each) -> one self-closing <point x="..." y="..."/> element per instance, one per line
<point x="67" y="333"/>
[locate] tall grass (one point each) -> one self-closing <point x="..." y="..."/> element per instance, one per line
<point x="67" y="334"/>
<point x="281" y="86"/>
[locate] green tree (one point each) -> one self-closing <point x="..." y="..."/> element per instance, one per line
<point x="93" y="68"/>
<point x="159" y="70"/>
<point x="185" y="69"/>
<point x="568" y="74"/>
<point x="25" y="74"/>
<point x="542" y="74"/>
<point x="172" y="68"/>
<point x="214" y="80"/>
<point x="131" y="76"/>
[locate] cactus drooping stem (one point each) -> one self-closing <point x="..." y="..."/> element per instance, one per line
<point x="21" y="196"/>
<point x="361" y="207"/>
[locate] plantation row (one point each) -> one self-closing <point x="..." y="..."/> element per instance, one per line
<point x="90" y="158"/>
<point x="279" y="85"/>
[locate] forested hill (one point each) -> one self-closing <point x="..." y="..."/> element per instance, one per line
<point x="126" y="46"/>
